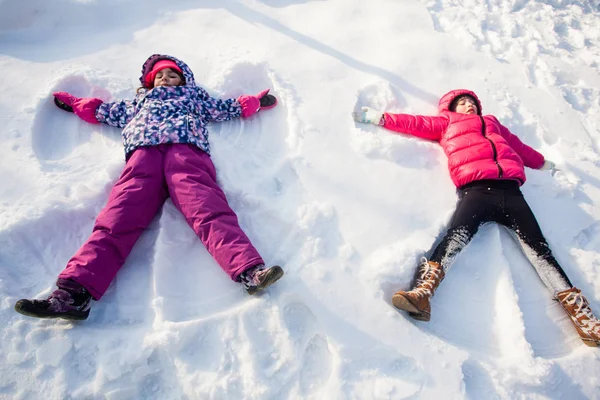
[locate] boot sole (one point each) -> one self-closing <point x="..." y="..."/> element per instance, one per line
<point x="591" y="342"/>
<point x="270" y="278"/>
<point x="22" y="309"/>
<point x="402" y="303"/>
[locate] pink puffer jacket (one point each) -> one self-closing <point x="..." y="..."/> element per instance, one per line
<point x="478" y="147"/>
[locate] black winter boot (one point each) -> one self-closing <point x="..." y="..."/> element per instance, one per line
<point x="69" y="301"/>
<point x="258" y="277"/>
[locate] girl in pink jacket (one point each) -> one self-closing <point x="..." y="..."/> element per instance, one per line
<point x="486" y="163"/>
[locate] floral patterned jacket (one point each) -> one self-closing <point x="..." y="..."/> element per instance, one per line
<point x="167" y="114"/>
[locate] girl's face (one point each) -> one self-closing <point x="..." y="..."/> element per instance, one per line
<point x="466" y="105"/>
<point x="167" y="77"/>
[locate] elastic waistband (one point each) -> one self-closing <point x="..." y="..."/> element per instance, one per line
<point x="503" y="184"/>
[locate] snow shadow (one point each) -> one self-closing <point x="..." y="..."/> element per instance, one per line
<point x="24" y="28"/>
<point x="478" y="383"/>
<point x="311" y="347"/>
<point x="255" y="17"/>
<point x="36" y="30"/>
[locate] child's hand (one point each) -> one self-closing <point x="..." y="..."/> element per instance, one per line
<point x="62" y="105"/>
<point x="252" y="104"/>
<point x="267" y="101"/>
<point x="549" y="166"/>
<point x="368" y="115"/>
<point x="84" y="108"/>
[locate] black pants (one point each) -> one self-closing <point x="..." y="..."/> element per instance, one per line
<point x="500" y="201"/>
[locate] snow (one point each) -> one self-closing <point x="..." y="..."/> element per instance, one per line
<point x="347" y="209"/>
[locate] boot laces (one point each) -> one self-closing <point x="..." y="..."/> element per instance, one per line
<point x="582" y="309"/>
<point x="426" y="279"/>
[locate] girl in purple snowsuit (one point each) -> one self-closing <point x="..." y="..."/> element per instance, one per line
<point x="167" y="153"/>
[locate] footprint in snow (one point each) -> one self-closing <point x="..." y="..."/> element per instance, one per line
<point x="312" y="348"/>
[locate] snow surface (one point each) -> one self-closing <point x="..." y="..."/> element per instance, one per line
<point x="346" y="208"/>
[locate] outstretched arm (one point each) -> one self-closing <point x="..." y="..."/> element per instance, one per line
<point x="94" y="110"/>
<point x="425" y="127"/>
<point x="531" y="158"/>
<point x="244" y="106"/>
<point x="218" y="109"/>
<point x="117" y="113"/>
<point x="84" y="108"/>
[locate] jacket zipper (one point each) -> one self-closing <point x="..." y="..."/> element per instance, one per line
<point x="494" y="151"/>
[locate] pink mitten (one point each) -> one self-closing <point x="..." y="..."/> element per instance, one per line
<point x="84" y="108"/>
<point x="251" y="104"/>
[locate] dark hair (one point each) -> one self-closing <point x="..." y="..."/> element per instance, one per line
<point x="183" y="82"/>
<point x="455" y="101"/>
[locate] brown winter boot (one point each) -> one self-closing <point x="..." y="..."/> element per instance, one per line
<point x="416" y="301"/>
<point x="578" y="308"/>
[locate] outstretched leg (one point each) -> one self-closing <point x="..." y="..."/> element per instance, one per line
<point x="478" y="204"/>
<point x="132" y="204"/>
<point x="521" y="220"/>
<point x="192" y="183"/>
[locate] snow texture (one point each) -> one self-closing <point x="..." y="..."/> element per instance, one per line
<point x="347" y="209"/>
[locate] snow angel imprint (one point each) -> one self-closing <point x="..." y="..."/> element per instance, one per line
<point x="486" y="163"/>
<point x="167" y="151"/>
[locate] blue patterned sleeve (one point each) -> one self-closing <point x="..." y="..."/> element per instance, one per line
<point x="117" y="113"/>
<point x="220" y="110"/>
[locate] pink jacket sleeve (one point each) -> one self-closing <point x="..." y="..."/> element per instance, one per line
<point x="425" y="127"/>
<point x="530" y="157"/>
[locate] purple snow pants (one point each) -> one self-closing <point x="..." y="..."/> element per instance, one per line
<point x="152" y="174"/>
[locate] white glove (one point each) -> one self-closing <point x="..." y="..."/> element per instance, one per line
<point x="548" y="166"/>
<point x="368" y="116"/>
